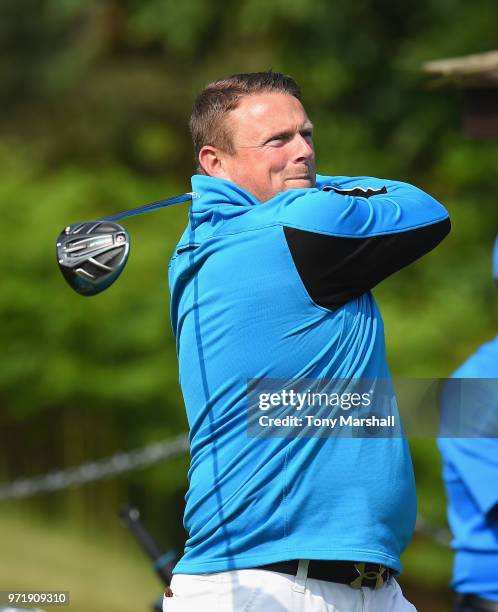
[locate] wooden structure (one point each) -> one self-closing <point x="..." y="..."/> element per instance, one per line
<point x="477" y="76"/>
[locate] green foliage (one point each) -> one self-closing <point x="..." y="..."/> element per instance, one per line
<point x="83" y="378"/>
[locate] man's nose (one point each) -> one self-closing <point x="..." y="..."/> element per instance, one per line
<point x="304" y="148"/>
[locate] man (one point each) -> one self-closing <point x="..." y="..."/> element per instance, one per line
<point x="271" y="280"/>
<point x="470" y="473"/>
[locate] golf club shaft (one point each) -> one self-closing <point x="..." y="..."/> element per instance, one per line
<point x="131" y="518"/>
<point x="184" y="197"/>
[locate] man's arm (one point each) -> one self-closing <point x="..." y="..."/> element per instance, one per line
<point x="348" y="237"/>
<point x="475" y="461"/>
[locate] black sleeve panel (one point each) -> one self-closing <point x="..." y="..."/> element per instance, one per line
<point x="357" y="191"/>
<point x="336" y="270"/>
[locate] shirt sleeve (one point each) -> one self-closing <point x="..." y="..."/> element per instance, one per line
<point x="475" y="461"/>
<point x="351" y="234"/>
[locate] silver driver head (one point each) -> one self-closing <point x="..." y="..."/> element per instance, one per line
<point x="92" y="254"/>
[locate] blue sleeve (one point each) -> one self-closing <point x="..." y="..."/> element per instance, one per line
<point x="348" y="236"/>
<point x="475" y="461"/>
<point x="340" y="209"/>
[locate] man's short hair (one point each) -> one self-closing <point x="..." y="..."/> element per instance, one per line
<point x="207" y="122"/>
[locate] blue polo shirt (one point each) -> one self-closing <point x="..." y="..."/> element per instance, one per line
<point x="282" y="290"/>
<point x="470" y="473"/>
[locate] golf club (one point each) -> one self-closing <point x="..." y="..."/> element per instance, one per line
<point x="92" y="254"/>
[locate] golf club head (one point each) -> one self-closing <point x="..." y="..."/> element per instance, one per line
<point x="91" y="255"/>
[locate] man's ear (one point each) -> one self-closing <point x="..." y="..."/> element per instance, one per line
<point x="211" y="161"/>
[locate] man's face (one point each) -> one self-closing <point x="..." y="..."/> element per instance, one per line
<point x="273" y="141"/>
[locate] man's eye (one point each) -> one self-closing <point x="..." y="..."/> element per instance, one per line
<point x="279" y="139"/>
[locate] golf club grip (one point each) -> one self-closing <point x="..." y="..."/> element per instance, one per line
<point x="131" y="517"/>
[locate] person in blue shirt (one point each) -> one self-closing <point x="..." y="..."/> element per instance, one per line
<point x="470" y="473"/>
<point x="272" y="280"/>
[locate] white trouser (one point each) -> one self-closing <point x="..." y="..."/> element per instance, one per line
<point x="255" y="590"/>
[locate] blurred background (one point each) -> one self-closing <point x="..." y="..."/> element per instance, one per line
<point x="95" y="98"/>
